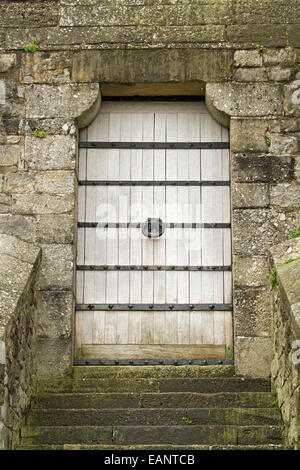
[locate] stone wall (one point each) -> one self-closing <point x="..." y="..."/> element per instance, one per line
<point x="18" y="308"/>
<point x="243" y="54"/>
<point x="285" y="261"/>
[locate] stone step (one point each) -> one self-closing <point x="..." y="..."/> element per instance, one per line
<point x="152" y="435"/>
<point x="154" y="417"/>
<point x="156" y="400"/>
<point x="123" y="385"/>
<point x="154" y="372"/>
<point x="151" y="447"/>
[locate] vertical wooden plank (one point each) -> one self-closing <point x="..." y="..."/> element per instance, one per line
<point x="219" y="328"/>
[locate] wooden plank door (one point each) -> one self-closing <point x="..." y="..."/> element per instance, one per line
<point x="155" y="299"/>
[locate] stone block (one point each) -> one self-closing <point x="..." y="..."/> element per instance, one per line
<point x="53" y="228"/>
<point x="253" y="356"/>
<point x="246" y="74"/>
<point x="284" y="144"/>
<point x="267" y="12"/>
<point x="280" y="75"/>
<point x="285" y="195"/>
<point x="18" y="38"/>
<point x="161" y="66"/>
<point x="57" y="357"/>
<point x="294" y="36"/>
<point x="240" y="99"/>
<point x="247" y="58"/>
<point x="35" y="14"/>
<point x="200" y="12"/>
<point x="7" y="61"/>
<point x="153" y="15"/>
<point x="32" y="204"/>
<point x="11" y="245"/>
<point x="5" y="204"/>
<point x="21" y="182"/>
<point x="253" y="311"/>
<point x="282" y="57"/>
<point x="254" y="231"/>
<point x="51" y="153"/>
<point x="18" y="225"/>
<point x="55" y="314"/>
<point x="247" y="168"/>
<point x="66" y="101"/>
<point x="249" y="135"/>
<point x="292" y="98"/>
<point x="57" y="268"/>
<point x="9" y="155"/>
<point x="45" y="67"/>
<point x="250" y="272"/>
<point x="246" y="36"/>
<point x="99" y="15"/>
<point x="250" y="195"/>
<point x="55" y="182"/>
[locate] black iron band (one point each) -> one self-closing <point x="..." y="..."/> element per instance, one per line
<point x="138" y="225"/>
<point x="151" y="362"/>
<point x="150" y="268"/>
<point x="154" y="145"/>
<point x="154" y="307"/>
<point x="151" y="183"/>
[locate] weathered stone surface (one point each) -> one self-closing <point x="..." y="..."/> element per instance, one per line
<point x="280" y="75"/>
<point x="55" y="229"/>
<point x="247" y="135"/>
<point x="282" y="57"/>
<point x="248" y="168"/>
<point x="286" y="333"/>
<point x="35" y="14"/>
<point x="254" y="356"/>
<point x="18" y="225"/>
<point x="99" y="15"/>
<point x="55" y="314"/>
<point x="268" y="11"/>
<point x="18" y="38"/>
<point x="13" y="246"/>
<point x="294" y="36"/>
<point x="247" y="58"/>
<point x="55" y="182"/>
<point x="21" y="182"/>
<point x="289" y="249"/>
<point x="284" y="144"/>
<point x="252" y="312"/>
<point x="30" y="204"/>
<point x="57" y="268"/>
<point x="5" y="204"/>
<point x="249" y="36"/>
<point x="43" y="67"/>
<point x="129" y="37"/>
<point x="65" y="101"/>
<point x="292" y="98"/>
<point x="51" y="153"/>
<point x="245" y="99"/>
<point x="285" y="195"/>
<point x="9" y="155"/>
<point x="153" y="66"/>
<point x="216" y="12"/>
<point x="250" y="272"/>
<point x="246" y="195"/>
<point x="57" y="357"/>
<point x="254" y="231"/>
<point x="7" y="61"/>
<point x="251" y="75"/>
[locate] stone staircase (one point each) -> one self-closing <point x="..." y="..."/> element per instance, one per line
<point x="153" y="407"/>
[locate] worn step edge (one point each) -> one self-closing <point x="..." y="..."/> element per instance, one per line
<point x="209" y="385"/>
<point x="155" y="400"/>
<point x="152" y="435"/>
<point x="153" y="371"/>
<point x="154" y="416"/>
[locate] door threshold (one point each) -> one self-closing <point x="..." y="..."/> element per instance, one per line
<point x="152" y="362"/>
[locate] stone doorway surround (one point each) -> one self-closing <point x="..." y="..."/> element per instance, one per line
<point x="40" y="179"/>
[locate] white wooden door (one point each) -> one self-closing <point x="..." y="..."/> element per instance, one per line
<point x="167" y="298"/>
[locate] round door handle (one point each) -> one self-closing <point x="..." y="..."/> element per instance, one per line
<point x="153" y="228"/>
